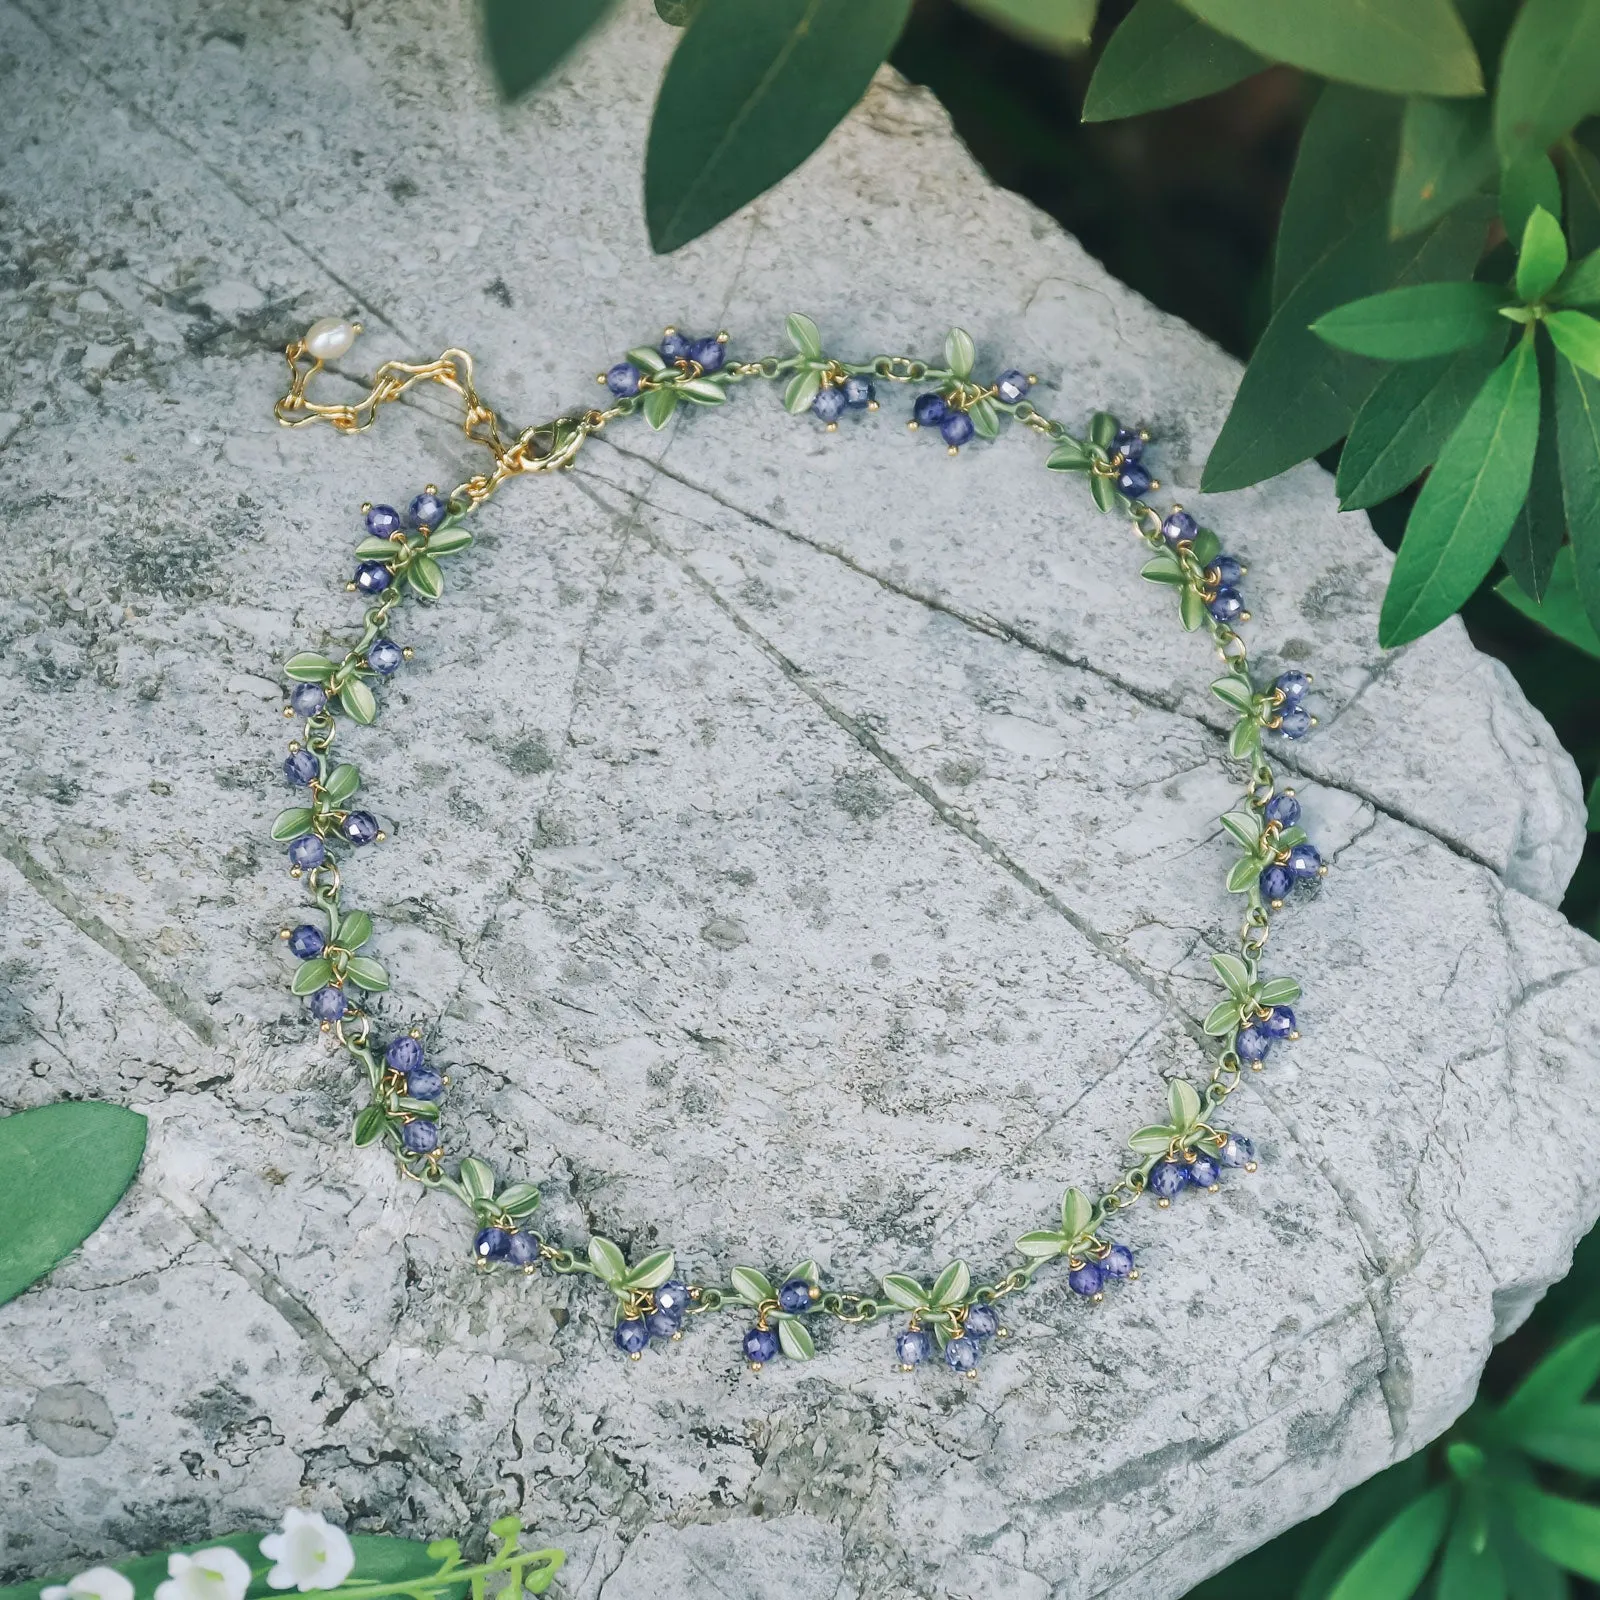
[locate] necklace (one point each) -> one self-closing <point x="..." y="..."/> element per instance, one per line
<point x="953" y="1316"/>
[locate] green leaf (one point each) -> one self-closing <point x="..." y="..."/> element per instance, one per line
<point x="1244" y="739"/>
<point x="906" y="1292"/>
<point x="1541" y="524"/>
<point x="702" y="391"/>
<point x="950" y="1287"/>
<point x="808" y="1270"/>
<point x="1191" y="609"/>
<point x="1151" y="1140"/>
<point x="1278" y="992"/>
<point x="426" y="1110"/>
<point x="384" y="550"/>
<point x="1290" y="837"/>
<point x="365" y="973"/>
<point x="801" y="390"/>
<point x="1395" y="1563"/>
<point x="518" y="1200"/>
<point x="1236" y="694"/>
<point x="659" y="404"/>
<point x="1077" y="1213"/>
<point x="986" y="420"/>
<point x="1547" y="81"/>
<point x="1059" y="25"/>
<point x="448" y="539"/>
<point x="1206" y="547"/>
<point x="62" y="1168"/>
<point x="1559" y="1382"/>
<point x="359" y="702"/>
<point x="1162" y="55"/>
<point x="794" y="1338"/>
<point x="353" y="930"/>
<point x="1565" y="1531"/>
<point x="1041" y="1245"/>
<point x="1405" y="421"/>
<point x="308" y="667"/>
<point x="426" y="577"/>
<point x="1242" y="874"/>
<point x="959" y="353"/>
<point x="608" y="1261"/>
<point x="1069" y="456"/>
<point x="1583" y="197"/>
<point x="1466" y="508"/>
<point x="1580" y="283"/>
<point x="1471" y="1567"/>
<point x="341" y="783"/>
<point x="752" y="1286"/>
<point x="477" y="1178"/>
<point x="653" y="1271"/>
<point x="1234" y="973"/>
<point x="1577" y="337"/>
<point x="1561" y="610"/>
<point x="1104" y="492"/>
<point x="1222" y="1018"/>
<point x="1524" y="186"/>
<point x="524" y="41"/>
<point x="1578" y="437"/>
<point x="1163" y="568"/>
<point x="1102" y="429"/>
<point x="1542" y="258"/>
<point x="311" y="975"/>
<point x="1184" y="1104"/>
<point x="1427" y="319"/>
<point x="803" y="335"/>
<point x="749" y="93"/>
<point x="647" y="359"/>
<point x="370" y="1123"/>
<point x="1570" y="1438"/>
<point x="1244" y="827"/>
<point x="1418" y="47"/>
<point x="1447" y="152"/>
<point x="292" y="823"/>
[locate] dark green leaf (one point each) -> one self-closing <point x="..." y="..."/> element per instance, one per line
<point x="1466" y="508"/>
<point x="1580" y="283"/>
<point x="1059" y="25"/>
<point x="524" y="39"/>
<point x="1069" y="456"/>
<point x="1577" y="336"/>
<point x="1471" y="1568"/>
<point x="1395" y="1563"/>
<point x="370" y="1123"/>
<point x="1102" y="429"/>
<point x="1571" y="1438"/>
<point x="446" y="540"/>
<point x="1104" y="492"/>
<point x="749" y="93"/>
<point x="1543" y="256"/>
<point x="1578" y="434"/>
<point x="1524" y="185"/>
<point x="426" y="576"/>
<point x="311" y="975"/>
<point x="1418" y="47"/>
<point x="1548" y="81"/>
<point x="518" y="1199"/>
<point x="1206" y="547"/>
<point x="384" y="550"/>
<point x="1412" y="324"/>
<point x="1405" y="421"/>
<point x="1191" y="610"/>
<point x="1162" y="55"/>
<point x="659" y="405"/>
<point x="1559" y="1382"/>
<point x="1541" y="525"/>
<point x="1561" y="610"/>
<point x="1583" y="198"/>
<point x="1565" y="1531"/>
<point x="677" y="13"/>
<point x="355" y="928"/>
<point x="292" y="823"/>
<point x="1447" y="152"/>
<point x="359" y="702"/>
<point x="365" y="973"/>
<point x="62" y="1168"/>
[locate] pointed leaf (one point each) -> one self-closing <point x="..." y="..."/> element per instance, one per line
<point x="1547" y="81"/>
<point x="1233" y="692"/>
<point x="1570" y="1438"/>
<point x="1162" y="55"/>
<point x="524" y="42"/>
<point x="1104" y="492"/>
<point x="1222" y="1018"/>
<point x="1447" y="152"/>
<point x="1565" y="1531"/>
<point x="906" y="1292"/>
<point x="1102" y="429"/>
<point x="752" y="1286"/>
<point x="355" y="928"/>
<point x="426" y="577"/>
<point x="1577" y="337"/>
<point x="1562" y="608"/>
<point x="342" y="782"/>
<point x="1558" y="1383"/>
<point x="702" y="391"/>
<point x="1278" y="992"/>
<point x="950" y="1287"/>
<point x="801" y="391"/>
<point x="1069" y="456"/>
<point x="1041" y="1245"/>
<point x="986" y="420"/>
<point x="1244" y="827"/>
<point x="1542" y="257"/>
<point x="365" y="973"/>
<point x="1077" y="1213"/>
<point x="794" y="1338"/>
<point x="1059" y="25"/>
<point x="1162" y="569"/>
<point x="1245" y="738"/>
<point x="369" y="1125"/>
<point x="1415" y="323"/>
<point x="359" y="702"/>
<point x="653" y="1271"/>
<point x="308" y="667"/>
<point x="608" y="1261"/>
<point x="1242" y="874"/>
<point x="1578" y="435"/>
<point x="803" y="335"/>
<point x="959" y="353"/>
<point x="518" y="1200"/>
<point x="1395" y="1563"/>
<point x="292" y="823"/>
<point x="1191" y="609"/>
<point x="1233" y="972"/>
<point x="648" y="359"/>
<point x="311" y="975"/>
<point x="384" y="550"/>
<point x="448" y="539"/>
<point x="1152" y="1140"/>
<point x="1580" y="283"/>
<point x="1540" y="527"/>
<point x="659" y="404"/>
<point x="477" y="1178"/>
<point x="1184" y="1104"/>
<point x="1525" y="186"/>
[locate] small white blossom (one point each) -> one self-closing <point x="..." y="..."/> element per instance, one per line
<point x="98" y="1583"/>
<point x="310" y="1553"/>
<point x="215" y="1574"/>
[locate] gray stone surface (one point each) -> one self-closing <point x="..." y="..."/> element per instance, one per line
<point x="800" y="843"/>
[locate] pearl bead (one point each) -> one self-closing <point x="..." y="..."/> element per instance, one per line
<point x="329" y="339"/>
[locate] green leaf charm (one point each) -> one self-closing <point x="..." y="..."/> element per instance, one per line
<point x="959" y="352"/>
<point x="477" y="1178"/>
<point x="950" y="1287"/>
<point x="308" y="667"/>
<point x="906" y="1292"/>
<point x="794" y="1338"/>
<point x="659" y="405"/>
<point x="518" y="1200"/>
<point x="652" y="1272"/>
<point x="426" y="577"/>
<point x="359" y="702"/>
<point x="803" y="336"/>
<point x="311" y="975"/>
<point x="751" y="1286"/>
<point x="292" y="823"/>
<point x="801" y="390"/>
<point x="1070" y="456"/>
<point x="365" y="973"/>
<point x="370" y="1123"/>
<point x="447" y="539"/>
<point x="342" y="782"/>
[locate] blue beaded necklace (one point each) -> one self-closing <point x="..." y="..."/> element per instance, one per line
<point x="952" y="1315"/>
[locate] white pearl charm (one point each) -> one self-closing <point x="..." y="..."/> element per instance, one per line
<point x="329" y="339"/>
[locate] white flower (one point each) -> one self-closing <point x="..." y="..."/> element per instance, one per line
<point x="215" y="1574"/>
<point x="310" y="1553"/>
<point x="98" y="1583"/>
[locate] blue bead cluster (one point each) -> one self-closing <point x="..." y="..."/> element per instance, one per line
<point x="933" y="410"/>
<point x="661" y="1319"/>
<point x="1304" y="865"/>
<point x="625" y="380"/>
<point x="1197" y="1170"/>
<point x="1226" y="602"/>
<point x="851" y="393"/>
<point x="1289" y="690"/>
<point x="1133" y="477"/>
<point x="515" y="1248"/>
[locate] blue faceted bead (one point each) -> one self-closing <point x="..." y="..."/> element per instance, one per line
<point x="328" y="1005"/>
<point x="1226" y="604"/>
<point x="663" y="1324"/>
<point x="419" y="1137"/>
<point x="1252" y="1044"/>
<point x="1237" y="1151"/>
<point x="1276" y="882"/>
<point x="1127" y="444"/>
<point x="1305" y="861"/>
<point x="672" y="1296"/>
<point x="1279" y="1022"/>
<point x="307" y="699"/>
<point x="981" y="1322"/>
<point x="795" y="1295"/>
<point x="961" y="1355"/>
<point x="360" y="827"/>
<point x="308" y="852"/>
<point x="1294" y="722"/>
<point x="1086" y="1280"/>
<point x="403" y="1055"/>
<point x="372" y="577"/>
<point x="1292" y="685"/>
<point x="929" y="409"/>
<point x="1283" y="809"/>
<point x="911" y="1346"/>
<point x="425" y="1083"/>
<point x="428" y="510"/>
<point x="306" y="942"/>
<point x="384" y="656"/>
<point x="522" y="1249"/>
<point x="301" y="768"/>
<point x="1012" y="385"/>
<point x="1117" y="1261"/>
<point x="709" y="354"/>
<point x="760" y="1344"/>
<point x="1178" y="527"/>
<point x="955" y="428"/>
<point x="631" y="1337"/>
<point x="674" y="347"/>
<point x="1133" y="480"/>
<point x="828" y="404"/>
<point x="1203" y="1172"/>
<point x="1225" y="570"/>
<point x="491" y="1244"/>
<point x="382" y="521"/>
<point x="1167" y="1179"/>
<point x="858" y="392"/>
<point x="623" y="379"/>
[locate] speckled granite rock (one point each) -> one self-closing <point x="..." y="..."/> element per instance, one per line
<point x="799" y="843"/>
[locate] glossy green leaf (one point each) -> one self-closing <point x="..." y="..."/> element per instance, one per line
<point x="426" y="577"/>
<point x="448" y="539"/>
<point x="518" y="1200"/>
<point x="1163" y="568"/>
<point x="1561" y="610"/>
<point x="1560" y="1381"/>
<point x="607" y="1260"/>
<point x="1447" y="152"/>
<point x="341" y="783"/>
<point x="1580" y="283"/>
<point x="1069" y="456"/>
<point x="959" y="353"/>
<point x="1206" y="547"/>
<point x="1236" y="694"/>
<point x="1162" y="55"/>
<point x="426" y="1110"/>
<point x="1525" y="186"/>
<point x="524" y="39"/>
<point x="1470" y="1568"/>
<point x="1279" y="992"/>
<point x="1564" y="1530"/>
<point x="1222" y="1018"/>
<point x="659" y="404"/>
<point x="1577" y="336"/>
<point x="1466" y="508"/>
<point x="1548" y="79"/>
<point x="369" y="1125"/>
<point x="1243" y="826"/>
<point x="308" y="667"/>
<point x="365" y="973"/>
<point x="801" y="390"/>
<point x="1042" y="1245"/>
<point x="1151" y="1140"/>
<point x="1183" y="1103"/>
<point x="653" y="1271"/>
<point x="752" y="1286"/>
<point x="1242" y="874"/>
<point x="1077" y="1213"/>
<point x="1394" y="1564"/>
<point x="905" y="1292"/>
<point x="384" y="550"/>
<point x="311" y="975"/>
<point x="359" y="702"/>
<point x="794" y="1339"/>
<point x="1233" y="972"/>
<point x="1541" y="525"/>
<point x="803" y="335"/>
<point x="1418" y="47"/>
<point x="702" y="391"/>
<point x="985" y="419"/>
<point x="1102" y="429"/>
<point x="1104" y="492"/>
<point x="62" y="1168"/>
<point x="1578" y="437"/>
<point x="477" y="1178"/>
<point x="292" y="823"/>
<point x="1191" y="610"/>
<point x="1414" y="323"/>
<point x="1542" y="257"/>
<point x="950" y="1287"/>
<point x="1404" y="422"/>
<point x="749" y="93"/>
<point x="1570" y="1438"/>
<point x="355" y="928"/>
<point x="1059" y="25"/>
<point x="647" y="359"/>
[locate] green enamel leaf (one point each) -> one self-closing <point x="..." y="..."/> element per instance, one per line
<point x="426" y="1110"/>
<point x="1222" y="1018"/>
<point x="477" y="1178"/>
<point x="523" y="42"/>
<point x="803" y="336"/>
<point x="1162" y="569"/>
<point x="1162" y="55"/>
<point x="447" y="539"/>
<point x="292" y="823"/>
<point x="384" y="550"/>
<point x="1152" y="1140"/>
<point x="1191" y="609"/>
<point x="1395" y="1563"/>
<point x="808" y="1270"/>
<point x="1104" y="492"/>
<point x="1244" y="827"/>
<point x="1077" y="1213"/>
<point x="1414" y="323"/>
<point x="801" y="390"/>
<point x="1580" y="283"/>
<point x="959" y="353"/>
<point x="1102" y="429"/>
<point x="1205" y="547"/>
<point x="950" y="1287"/>
<point x="359" y="702"/>
<point x="311" y="975"/>
<point x="365" y="973"/>
<point x="906" y="1292"/>
<point x="370" y="1123"/>
<point x="1041" y="1245"/>
<point x="1288" y="838"/>
<point x="1233" y="972"/>
<point x="702" y="391"/>
<point x="1543" y="256"/>
<point x="355" y="928"/>
<point x="1447" y="153"/>
<point x="1577" y="337"/>
<point x="1547" y="80"/>
<point x="608" y="1261"/>
<point x="518" y="1200"/>
<point x="647" y="359"/>
<point x="1069" y="456"/>
<point x="308" y="667"/>
<point x="1242" y="874"/>
<point x="1245" y="739"/>
<point x="794" y="1339"/>
<point x="426" y="577"/>
<point x="341" y="783"/>
<point x="659" y="405"/>
<point x="1279" y="992"/>
<point x="1184" y="1105"/>
<point x="1235" y="693"/>
<point x="752" y="1286"/>
<point x="986" y="420"/>
<point x="653" y="1271"/>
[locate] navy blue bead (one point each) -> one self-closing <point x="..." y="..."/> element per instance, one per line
<point x="1133" y="480"/>
<point x="403" y="1055"/>
<point x="372" y="577"/>
<point x="1167" y="1178"/>
<point x="1294" y="722"/>
<point x="306" y="941"/>
<point x="1283" y="809"/>
<point x="1226" y="604"/>
<point x="1292" y="685"/>
<point x="929" y="409"/>
<point x="672" y="1296"/>
<point x="419" y="1137"/>
<point x="1087" y="1279"/>
<point x="523" y="1249"/>
<point x="1117" y="1261"/>
<point x="1203" y="1172"/>
<point x="1279" y="1022"/>
<point x="663" y="1324"/>
<point x="981" y="1322"/>
<point x="956" y="428"/>
<point x="1237" y="1151"/>
<point x="425" y="1083"/>
<point x="674" y="347"/>
<point x="328" y="1005"/>
<point x="308" y="851"/>
<point x="911" y="1346"/>
<point x="795" y="1295"/>
<point x="1225" y="570"/>
<point x="491" y="1244"/>
<point x="760" y="1344"/>
<point x="828" y="404"/>
<point x="360" y="827"/>
<point x="1127" y="444"/>
<point x="1178" y="527"/>
<point x="307" y="699"/>
<point x="1012" y="385"/>
<point x="301" y="768"/>
<point x="961" y="1355"/>
<point x="623" y="379"/>
<point x="1276" y="882"/>
<point x="382" y="521"/>
<point x="1305" y="861"/>
<point x="631" y="1337"/>
<point x="858" y="392"/>
<point x="428" y="510"/>
<point x="709" y="354"/>
<point x="1253" y="1043"/>
<point x="384" y="656"/>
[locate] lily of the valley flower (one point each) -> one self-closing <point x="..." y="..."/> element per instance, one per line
<point x="215" y="1574"/>
<point x="98" y="1583"/>
<point x="310" y="1553"/>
